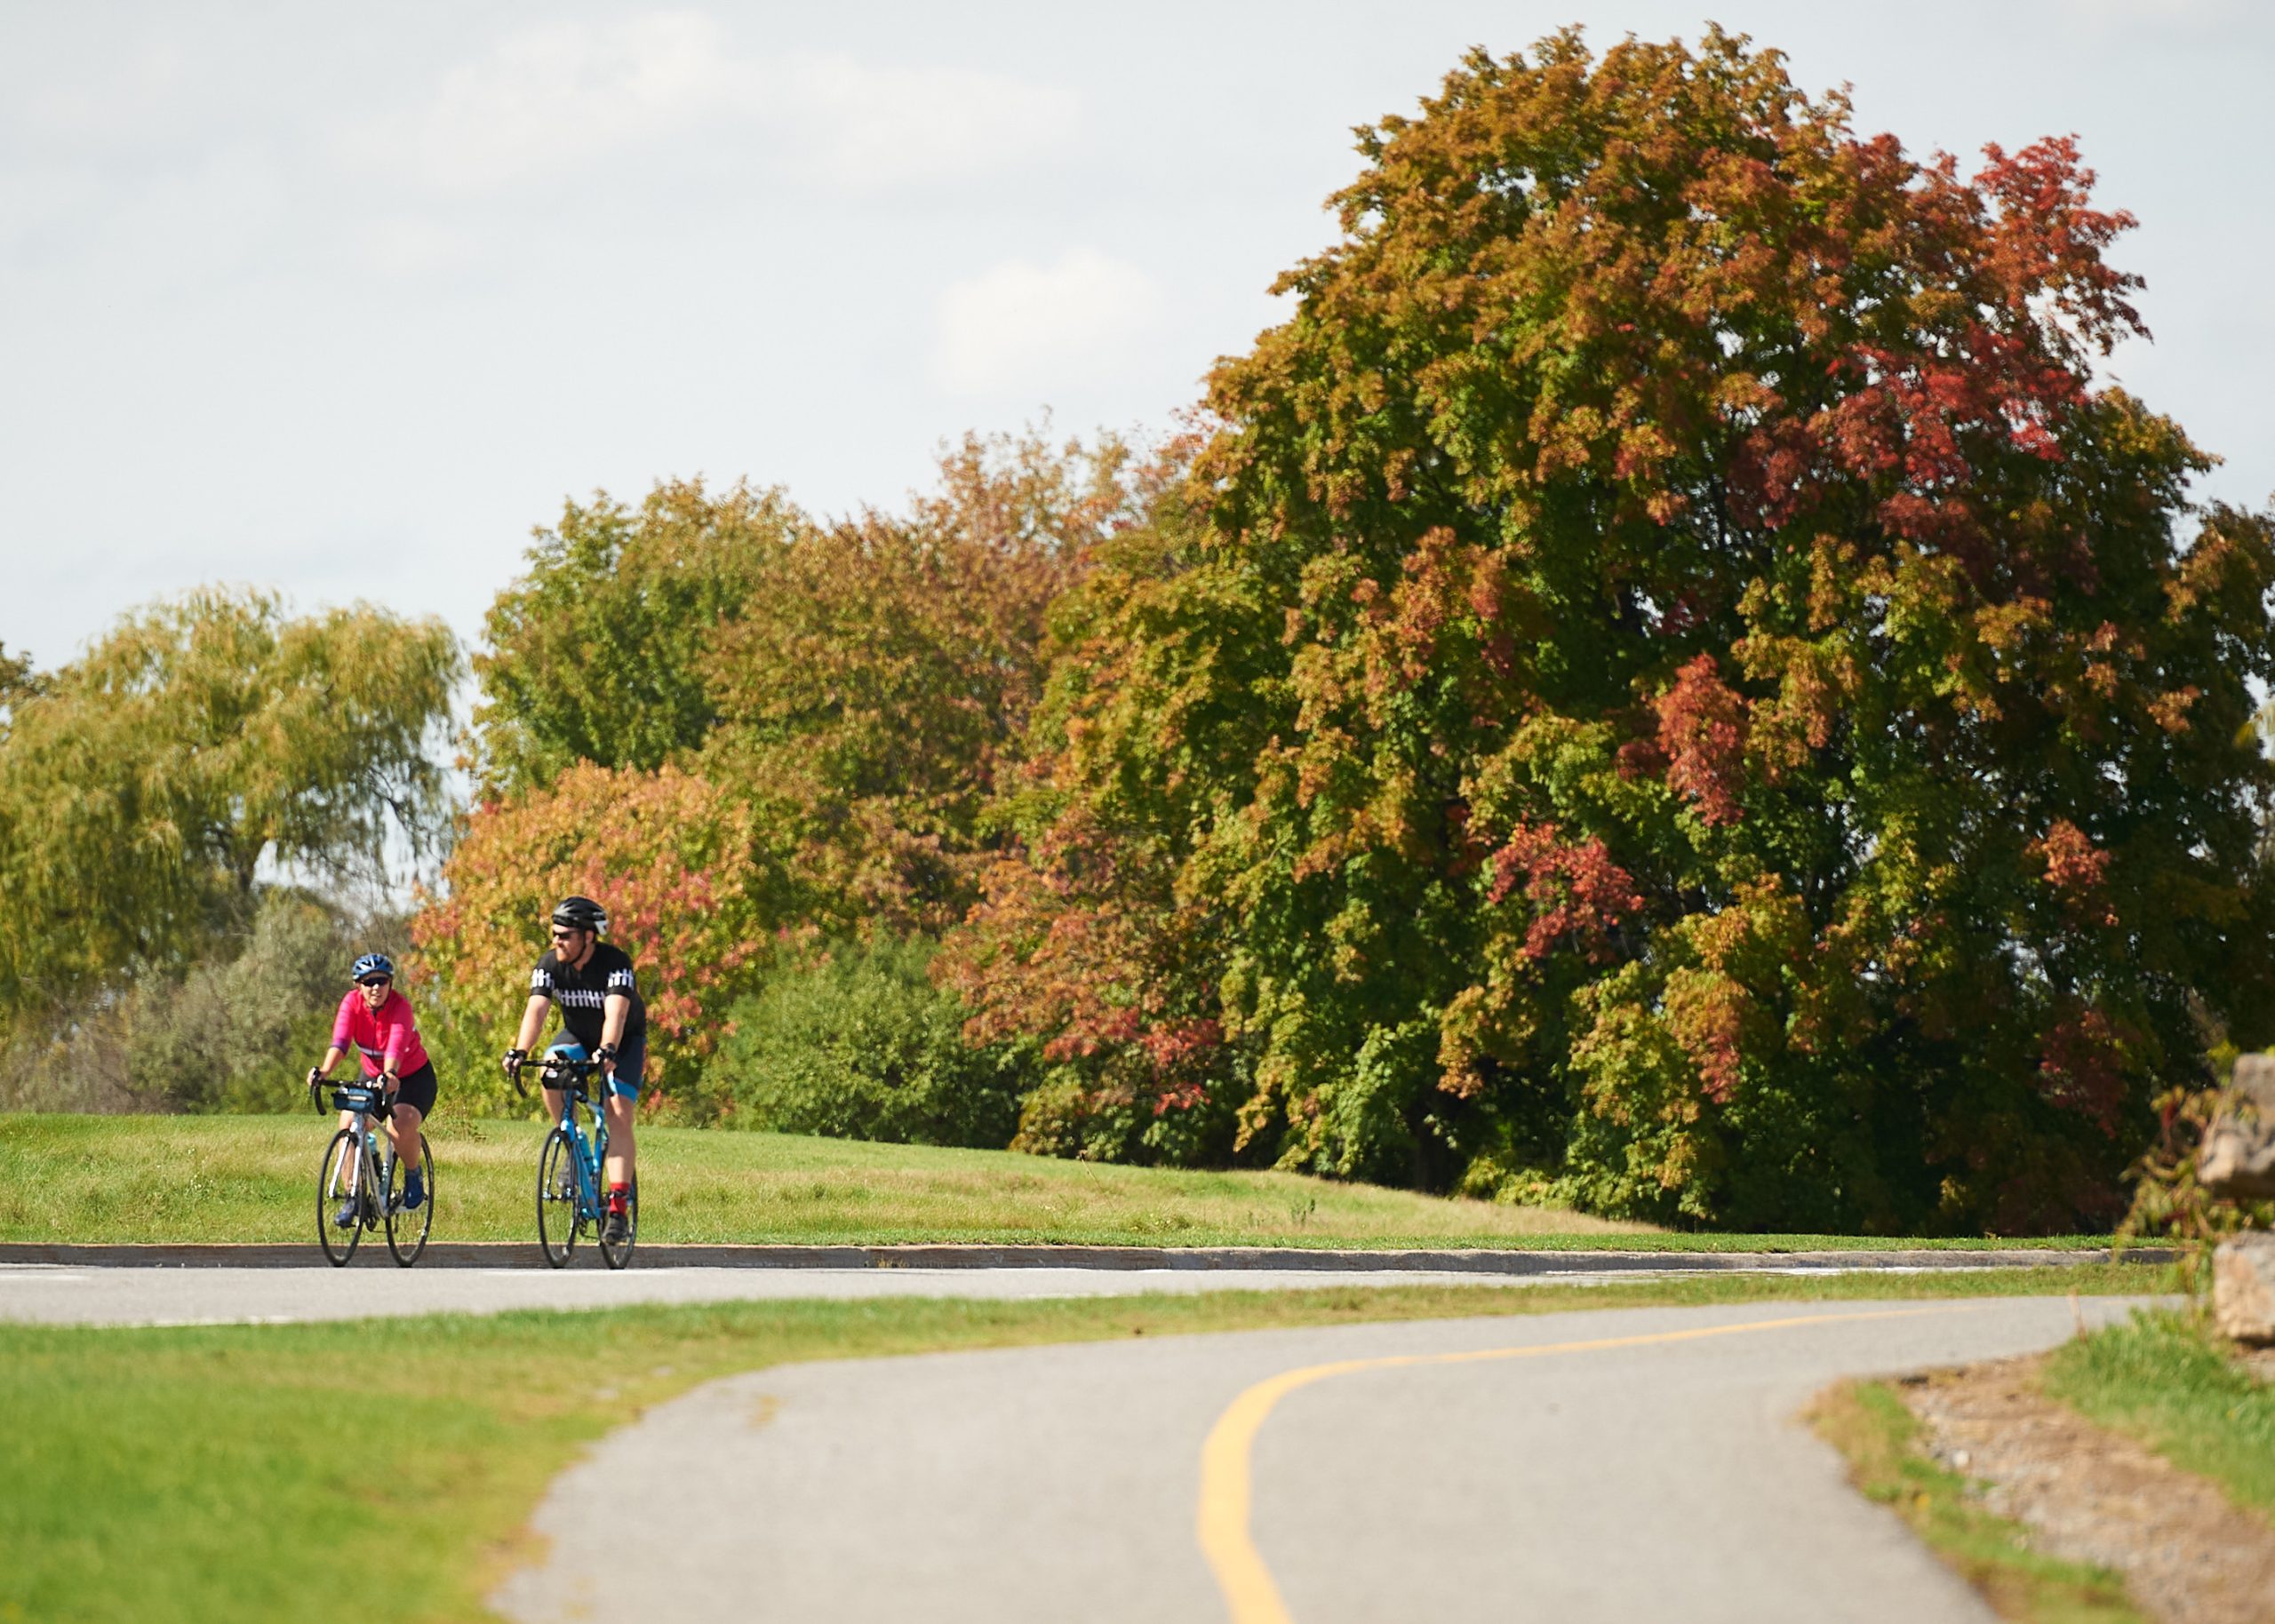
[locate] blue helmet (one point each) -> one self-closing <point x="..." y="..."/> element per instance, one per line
<point x="370" y="965"/>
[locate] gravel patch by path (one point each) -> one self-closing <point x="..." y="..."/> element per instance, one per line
<point x="2189" y="1556"/>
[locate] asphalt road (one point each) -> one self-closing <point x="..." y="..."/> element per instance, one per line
<point x="117" y="1293"/>
<point x="53" y="1294"/>
<point x="1615" y="1465"/>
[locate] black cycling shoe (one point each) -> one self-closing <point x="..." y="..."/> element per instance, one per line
<point x="617" y="1228"/>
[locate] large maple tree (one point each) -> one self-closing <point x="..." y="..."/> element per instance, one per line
<point x="1674" y="689"/>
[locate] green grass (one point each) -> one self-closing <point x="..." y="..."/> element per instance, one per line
<point x="235" y="1472"/>
<point x="1868" y="1423"/>
<point x="118" y="1178"/>
<point x="2161" y="1378"/>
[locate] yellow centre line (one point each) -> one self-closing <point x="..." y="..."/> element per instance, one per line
<point x="1250" y="1595"/>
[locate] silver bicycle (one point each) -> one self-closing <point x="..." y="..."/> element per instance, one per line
<point x="360" y="1184"/>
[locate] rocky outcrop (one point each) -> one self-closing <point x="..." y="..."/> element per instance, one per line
<point x="2238" y="1158"/>
<point x="2243" y="1289"/>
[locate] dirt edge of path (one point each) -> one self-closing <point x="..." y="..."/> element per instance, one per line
<point x="2188" y="1553"/>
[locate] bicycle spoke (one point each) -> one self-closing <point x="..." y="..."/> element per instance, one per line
<point x="335" y="1190"/>
<point x="408" y="1228"/>
<point x="558" y="1197"/>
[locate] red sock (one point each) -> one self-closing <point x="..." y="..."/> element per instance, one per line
<point x="618" y="1197"/>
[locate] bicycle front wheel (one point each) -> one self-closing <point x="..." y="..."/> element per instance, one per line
<point x="556" y="1196"/>
<point x="335" y="1185"/>
<point x="407" y="1230"/>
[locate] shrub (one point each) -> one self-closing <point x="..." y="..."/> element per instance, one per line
<point x="236" y="1032"/>
<point x="1111" y="1108"/>
<point x="860" y="1045"/>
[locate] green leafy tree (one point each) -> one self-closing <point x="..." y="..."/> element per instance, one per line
<point x="1678" y="692"/>
<point x="17" y="683"/>
<point x="597" y="655"/>
<point x="878" y="688"/>
<point x="143" y="787"/>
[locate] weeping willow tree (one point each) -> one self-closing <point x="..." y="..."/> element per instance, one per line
<point x="144" y="786"/>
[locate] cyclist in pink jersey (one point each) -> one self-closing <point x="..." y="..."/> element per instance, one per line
<point x="377" y="1022"/>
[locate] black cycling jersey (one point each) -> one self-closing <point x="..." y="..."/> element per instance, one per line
<point x="581" y="995"/>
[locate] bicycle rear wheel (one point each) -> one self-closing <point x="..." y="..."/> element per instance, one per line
<point x="407" y="1230"/>
<point x="616" y="1255"/>
<point x="333" y="1180"/>
<point x="556" y="1196"/>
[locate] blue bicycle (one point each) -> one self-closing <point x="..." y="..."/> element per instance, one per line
<point x="570" y="1198"/>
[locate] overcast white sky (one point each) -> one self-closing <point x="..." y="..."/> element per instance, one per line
<point x="344" y="301"/>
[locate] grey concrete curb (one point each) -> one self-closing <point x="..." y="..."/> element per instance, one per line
<point x="512" y="1255"/>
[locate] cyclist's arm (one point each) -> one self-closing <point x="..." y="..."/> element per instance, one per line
<point x="533" y="1021"/>
<point x="398" y="1039"/>
<point x="616" y="1010"/>
<point x="343" y="1028"/>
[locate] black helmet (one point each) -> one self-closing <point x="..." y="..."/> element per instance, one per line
<point x="581" y="913"/>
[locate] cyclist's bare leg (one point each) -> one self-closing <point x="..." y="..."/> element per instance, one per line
<point x="404" y="1129"/>
<point x="352" y="1164"/>
<point x="620" y="1148"/>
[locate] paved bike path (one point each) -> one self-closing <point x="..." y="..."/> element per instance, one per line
<point x="60" y="1295"/>
<point x="125" y="1286"/>
<point x="1608" y="1465"/>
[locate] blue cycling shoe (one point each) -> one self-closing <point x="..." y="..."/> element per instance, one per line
<point x="414" y="1191"/>
<point x="344" y="1218"/>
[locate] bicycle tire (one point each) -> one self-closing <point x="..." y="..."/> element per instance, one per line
<point x="407" y="1231"/>
<point x="556" y="1212"/>
<point x="331" y="1189"/>
<point x="618" y="1257"/>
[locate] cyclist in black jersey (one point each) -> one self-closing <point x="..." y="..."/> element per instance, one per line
<point x="593" y="985"/>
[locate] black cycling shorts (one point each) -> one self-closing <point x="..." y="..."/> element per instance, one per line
<point x="417" y="1090"/>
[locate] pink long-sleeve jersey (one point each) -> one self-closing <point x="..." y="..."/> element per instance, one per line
<point x="389" y="1032"/>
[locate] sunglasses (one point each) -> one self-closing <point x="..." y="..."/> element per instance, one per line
<point x="562" y="935"/>
<point x="376" y="981"/>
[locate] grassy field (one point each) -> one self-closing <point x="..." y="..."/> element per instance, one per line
<point x="254" y="1179"/>
<point x="240" y="1472"/>
<point x="1869" y="1425"/>
<point x="2161" y="1379"/>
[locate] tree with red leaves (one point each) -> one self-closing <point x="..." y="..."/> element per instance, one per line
<point x="751" y="733"/>
<point x="1672" y="689"/>
<point x="692" y="896"/>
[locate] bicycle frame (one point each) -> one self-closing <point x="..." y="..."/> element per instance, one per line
<point x="374" y="1158"/>
<point x="590" y="1151"/>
